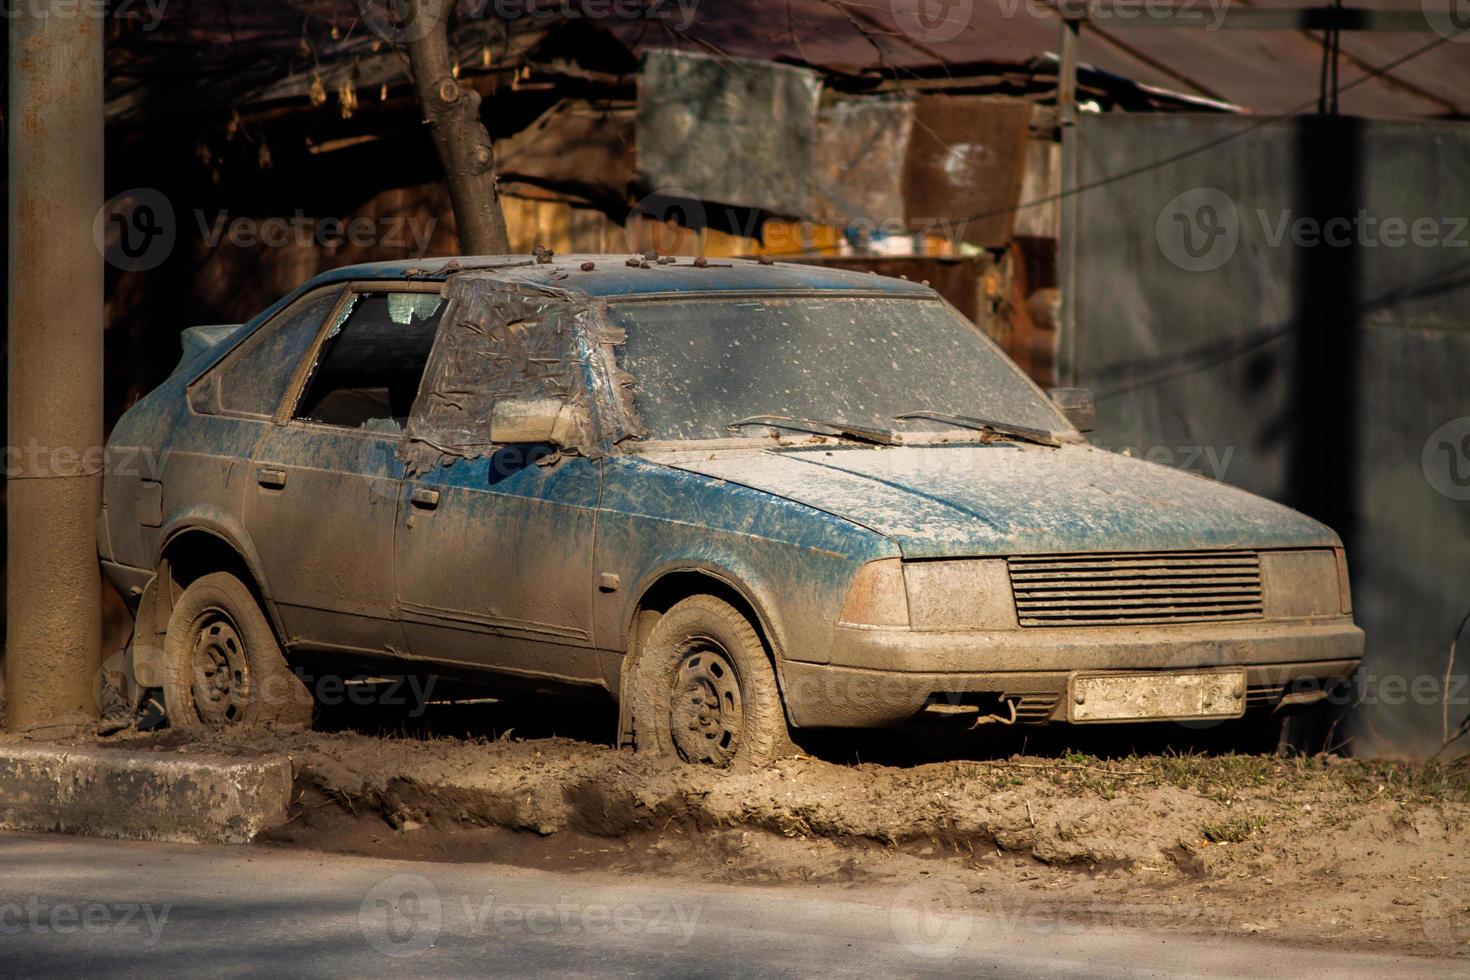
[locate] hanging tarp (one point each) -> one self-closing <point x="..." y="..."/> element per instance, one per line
<point x="861" y="147"/>
<point x="728" y="130"/>
<point x="966" y="158"/>
<point x="525" y="341"/>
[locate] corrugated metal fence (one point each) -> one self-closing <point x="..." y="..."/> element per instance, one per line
<point x="1284" y="304"/>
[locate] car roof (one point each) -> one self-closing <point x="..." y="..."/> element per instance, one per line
<point x="612" y="275"/>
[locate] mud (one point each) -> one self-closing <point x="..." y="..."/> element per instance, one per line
<point x="1322" y="850"/>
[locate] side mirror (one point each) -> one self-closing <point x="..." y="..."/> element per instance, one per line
<point x="526" y="420"/>
<point x="1077" y="405"/>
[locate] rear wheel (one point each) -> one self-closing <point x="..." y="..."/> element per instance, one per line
<point x="702" y="689"/>
<point x="223" y="666"/>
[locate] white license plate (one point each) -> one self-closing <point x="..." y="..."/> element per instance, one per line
<point x="1140" y="697"/>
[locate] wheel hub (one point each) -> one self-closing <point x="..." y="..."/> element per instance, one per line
<point x="706" y="717"/>
<point x="220" y="676"/>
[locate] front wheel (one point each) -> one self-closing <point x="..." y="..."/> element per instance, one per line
<point x="223" y="666"/>
<point x="702" y="689"/>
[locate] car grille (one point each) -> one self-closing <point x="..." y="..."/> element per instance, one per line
<point x="1128" y="589"/>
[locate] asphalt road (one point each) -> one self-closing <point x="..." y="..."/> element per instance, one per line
<point x="81" y="907"/>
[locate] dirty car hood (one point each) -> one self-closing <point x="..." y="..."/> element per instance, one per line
<point x="999" y="499"/>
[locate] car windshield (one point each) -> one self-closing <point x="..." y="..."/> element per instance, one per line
<point x="700" y="364"/>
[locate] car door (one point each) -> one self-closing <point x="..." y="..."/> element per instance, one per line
<point x="494" y="561"/>
<point x="324" y="482"/>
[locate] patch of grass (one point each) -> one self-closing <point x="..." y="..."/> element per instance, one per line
<point x="1232" y="831"/>
<point x="1413" y="784"/>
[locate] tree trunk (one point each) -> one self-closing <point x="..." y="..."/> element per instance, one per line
<point x="453" y="115"/>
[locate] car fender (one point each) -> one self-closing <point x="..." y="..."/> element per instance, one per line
<point x="219" y="523"/>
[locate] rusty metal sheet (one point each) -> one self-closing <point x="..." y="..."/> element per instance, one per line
<point x="964" y="167"/>
<point x="861" y="146"/>
<point x="729" y="130"/>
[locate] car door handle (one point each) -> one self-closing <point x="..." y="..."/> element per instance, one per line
<point x="424" y="498"/>
<point x="270" y="477"/>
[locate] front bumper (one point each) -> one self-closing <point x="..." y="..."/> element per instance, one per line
<point x="881" y="677"/>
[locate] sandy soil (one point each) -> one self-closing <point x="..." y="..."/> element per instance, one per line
<point x="1321" y="850"/>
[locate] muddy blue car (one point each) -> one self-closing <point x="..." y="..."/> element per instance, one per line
<point x="742" y="499"/>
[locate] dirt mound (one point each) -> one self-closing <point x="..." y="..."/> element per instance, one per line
<point x="1319" y="849"/>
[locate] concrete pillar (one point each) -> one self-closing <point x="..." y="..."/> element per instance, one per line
<point x="53" y="486"/>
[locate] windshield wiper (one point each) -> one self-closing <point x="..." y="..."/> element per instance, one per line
<point x="878" y="437"/>
<point x="1039" y="436"/>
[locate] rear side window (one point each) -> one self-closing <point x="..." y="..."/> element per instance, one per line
<point x="255" y="377"/>
<point x="371" y="362"/>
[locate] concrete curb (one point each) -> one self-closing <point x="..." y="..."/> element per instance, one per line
<point x="141" y="795"/>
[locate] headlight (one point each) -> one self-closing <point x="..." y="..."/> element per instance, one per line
<point x="970" y="594"/>
<point x="1298" y="584"/>
<point x="877" y="596"/>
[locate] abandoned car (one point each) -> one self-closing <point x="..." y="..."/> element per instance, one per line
<point x="740" y="498"/>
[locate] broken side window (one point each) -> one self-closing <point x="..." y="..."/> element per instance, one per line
<point x="368" y="370"/>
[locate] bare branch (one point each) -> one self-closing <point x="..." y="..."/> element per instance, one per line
<point x="453" y="115"/>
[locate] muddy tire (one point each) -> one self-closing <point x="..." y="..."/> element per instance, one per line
<point x="223" y="666"/>
<point x="702" y="690"/>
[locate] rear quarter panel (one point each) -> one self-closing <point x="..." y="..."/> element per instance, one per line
<point x="201" y="462"/>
